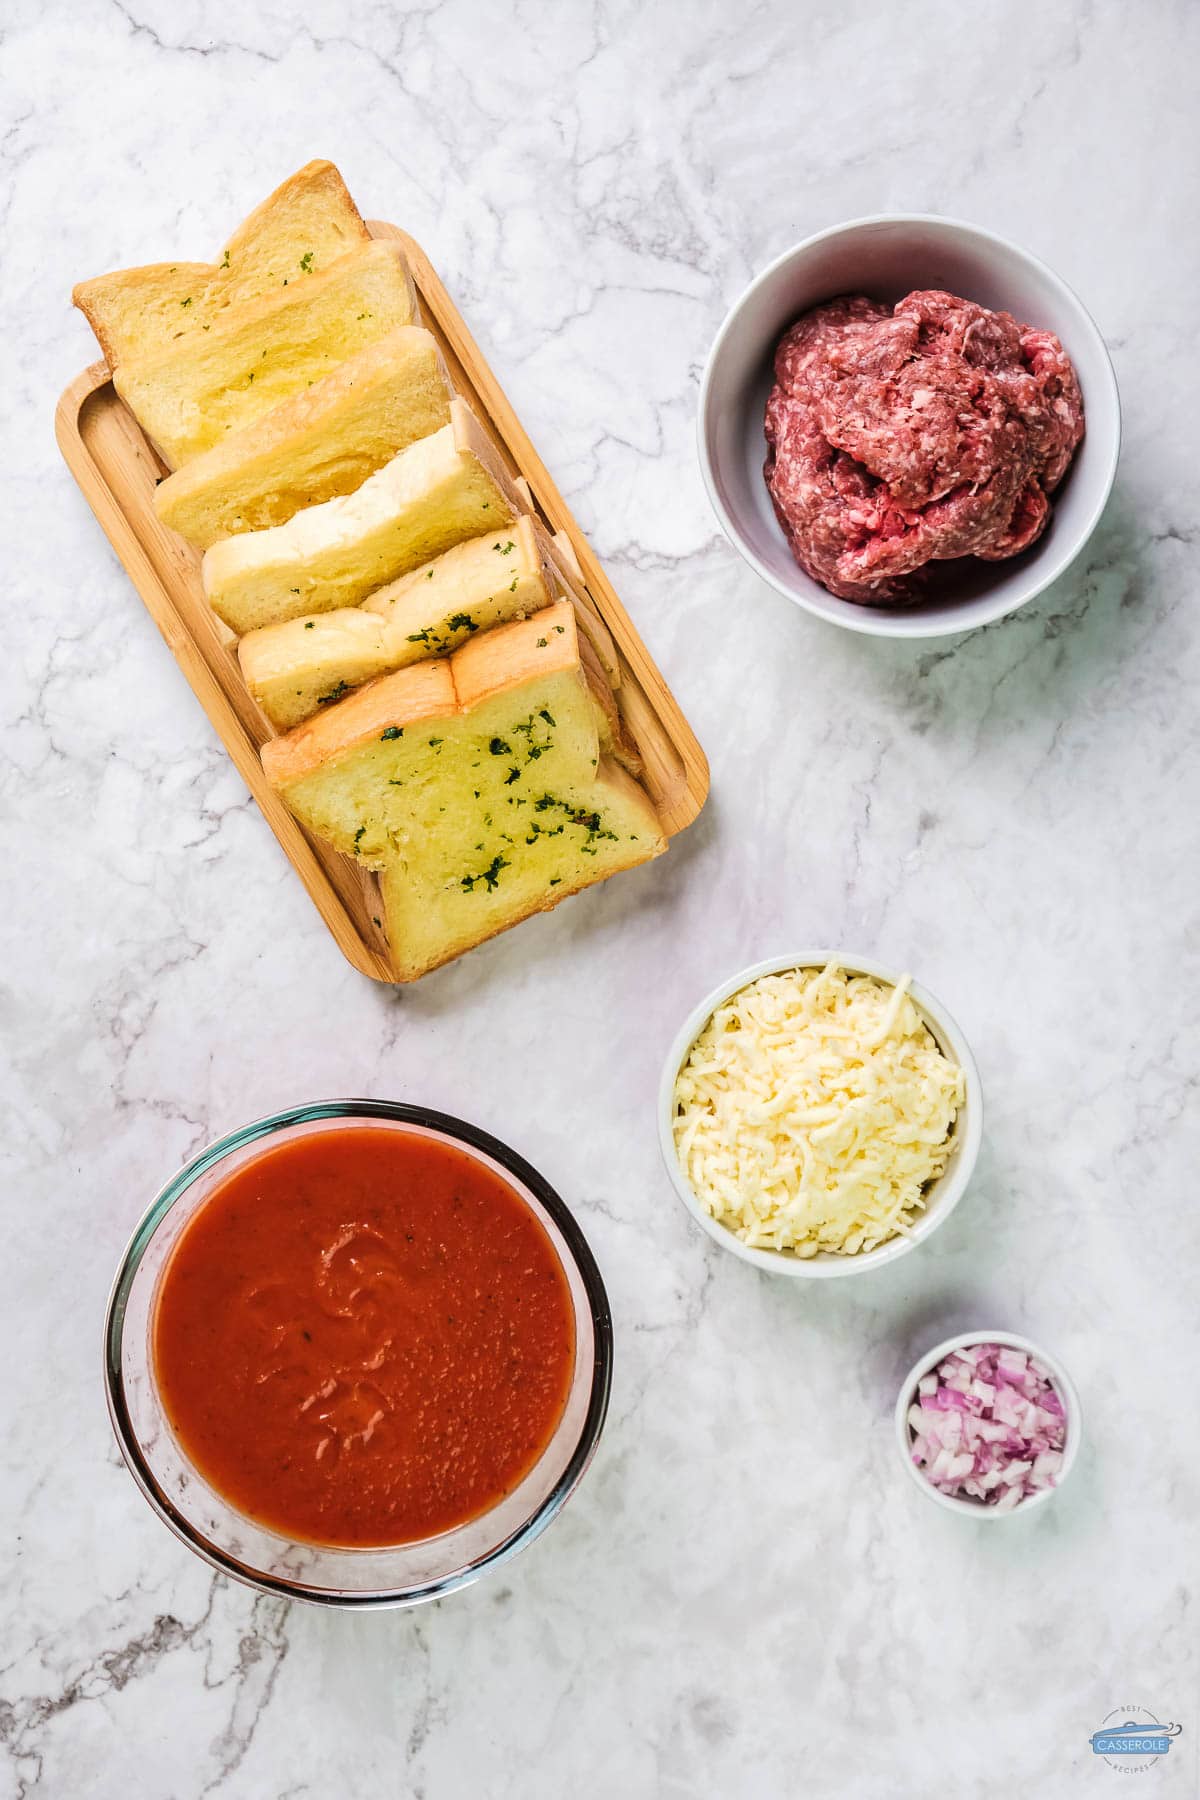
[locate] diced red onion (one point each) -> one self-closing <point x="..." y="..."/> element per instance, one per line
<point x="988" y="1424"/>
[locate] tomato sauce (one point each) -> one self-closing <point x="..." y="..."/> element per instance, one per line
<point x="363" y="1337"/>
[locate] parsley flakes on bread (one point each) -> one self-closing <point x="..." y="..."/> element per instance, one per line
<point x="448" y="692"/>
<point x="477" y="785"/>
<point x="299" y="665"/>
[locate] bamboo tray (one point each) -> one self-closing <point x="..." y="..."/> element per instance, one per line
<point x="117" y="470"/>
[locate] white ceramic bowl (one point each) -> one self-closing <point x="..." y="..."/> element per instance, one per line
<point x="888" y="257"/>
<point x="976" y="1509"/>
<point x="943" y="1195"/>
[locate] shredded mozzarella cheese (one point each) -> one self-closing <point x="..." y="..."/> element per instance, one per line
<point x="813" y="1111"/>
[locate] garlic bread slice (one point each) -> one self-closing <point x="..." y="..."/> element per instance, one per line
<point x="476" y="810"/>
<point x="306" y="224"/>
<point x="438" y="492"/>
<point x="301" y="664"/>
<point x="191" y="394"/>
<point x="319" y="444"/>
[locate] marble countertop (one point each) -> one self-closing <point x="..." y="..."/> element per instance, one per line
<point x="745" y="1598"/>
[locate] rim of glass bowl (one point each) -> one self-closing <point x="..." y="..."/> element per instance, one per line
<point x="398" y="1112"/>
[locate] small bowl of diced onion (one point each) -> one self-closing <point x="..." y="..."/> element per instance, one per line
<point x="988" y="1425"/>
<point x="820" y="1115"/>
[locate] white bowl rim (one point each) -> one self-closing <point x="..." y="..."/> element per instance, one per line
<point x="950" y="1187"/>
<point x="876" y="621"/>
<point x="1068" y="1393"/>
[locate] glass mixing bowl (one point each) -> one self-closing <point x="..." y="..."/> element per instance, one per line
<point x="356" y="1578"/>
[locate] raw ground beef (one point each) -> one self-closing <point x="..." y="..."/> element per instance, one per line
<point x="900" y="437"/>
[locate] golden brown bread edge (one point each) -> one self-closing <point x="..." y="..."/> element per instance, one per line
<point x="426" y="692"/>
<point x="190" y="294"/>
<point x="225" y="491"/>
<point x="423" y="690"/>
<point x="444" y="687"/>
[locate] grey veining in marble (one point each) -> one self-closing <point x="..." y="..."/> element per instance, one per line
<point x="745" y="1598"/>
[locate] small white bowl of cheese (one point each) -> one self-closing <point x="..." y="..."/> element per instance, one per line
<point x="820" y="1115"/>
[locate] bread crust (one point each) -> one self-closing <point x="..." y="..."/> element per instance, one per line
<point x="188" y="394"/>
<point x="512" y="654"/>
<point x="445" y="687"/>
<point x="439" y="492"/>
<point x="224" y="491"/>
<point x="245" y="370"/>
<point x="318" y="180"/>
<point x="138" y="312"/>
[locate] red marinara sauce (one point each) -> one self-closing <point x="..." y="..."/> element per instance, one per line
<point x="363" y="1337"/>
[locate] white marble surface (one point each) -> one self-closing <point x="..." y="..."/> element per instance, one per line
<point x="745" y="1598"/>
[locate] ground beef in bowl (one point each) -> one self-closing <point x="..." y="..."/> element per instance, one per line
<point x="901" y="436"/>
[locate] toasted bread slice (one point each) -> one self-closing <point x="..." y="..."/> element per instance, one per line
<point x="445" y="488"/>
<point x="305" y="225"/>
<point x="295" y="667"/>
<point x="319" y="444"/>
<point x="502" y="571"/>
<point x="301" y="664"/>
<point x="138" y="312"/>
<point x="188" y="396"/>
<point x="477" y="809"/>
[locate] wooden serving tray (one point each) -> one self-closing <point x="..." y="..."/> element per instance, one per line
<point x="118" y="470"/>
